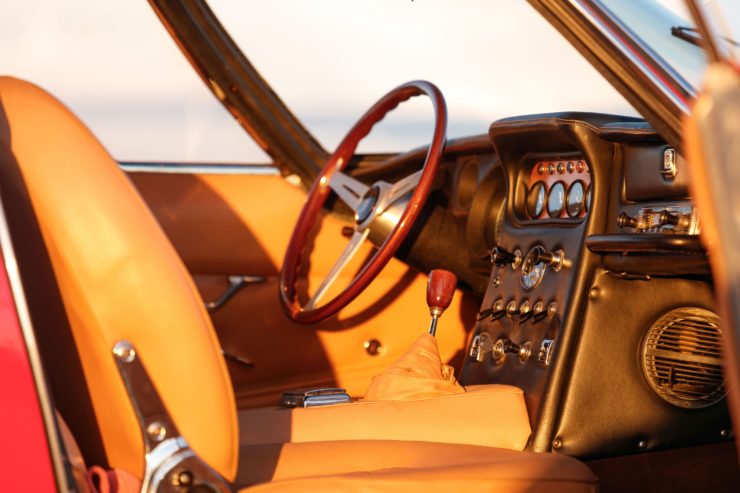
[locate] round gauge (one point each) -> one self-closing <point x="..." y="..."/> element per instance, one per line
<point x="588" y="198"/>
<point x="532" y="269"/>
<point x="556" y="199"/>
<point x="575" y="201"/>
<point x="536" y="199"/>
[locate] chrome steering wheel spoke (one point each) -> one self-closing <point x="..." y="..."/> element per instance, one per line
<point x="358" y="238"/>
<point x="349" y="190"/>
<point x="393" y="192"/>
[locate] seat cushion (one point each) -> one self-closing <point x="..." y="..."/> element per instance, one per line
<point x="407" y="466"/>
<point x="490" y="415"/>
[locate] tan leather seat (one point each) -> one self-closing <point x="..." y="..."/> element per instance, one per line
<point x="410" y="466"/>
<point x="119" y="278"/>
<point x="438" y="419"/>
<point x="415" y="399"/>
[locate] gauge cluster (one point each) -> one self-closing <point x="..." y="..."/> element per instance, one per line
<point x="558" y="189"/>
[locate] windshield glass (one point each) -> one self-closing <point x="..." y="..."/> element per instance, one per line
<point x="330" y="60"/>
<point x="654" y="23"/>
<point x="667" y="33"/>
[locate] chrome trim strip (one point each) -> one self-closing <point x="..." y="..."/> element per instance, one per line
<point x="199" y="169"/>
<point x="34" y="358"/>
<point x="627" y="53"/>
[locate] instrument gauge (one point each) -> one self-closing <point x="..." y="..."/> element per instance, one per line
<point x="576" y="199"/>
<point x="556" y="199"/>
<point x="536" y="199"/>
<point x="588" y="198"/>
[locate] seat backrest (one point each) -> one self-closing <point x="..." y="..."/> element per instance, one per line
<point x="119" y="278"/>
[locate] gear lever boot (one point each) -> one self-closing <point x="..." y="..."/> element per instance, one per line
<point x="420" y="373"/>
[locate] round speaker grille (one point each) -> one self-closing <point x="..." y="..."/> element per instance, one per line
<point x="682" y="358"/>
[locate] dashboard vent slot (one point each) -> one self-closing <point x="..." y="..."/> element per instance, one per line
<point x="682" y="358"/>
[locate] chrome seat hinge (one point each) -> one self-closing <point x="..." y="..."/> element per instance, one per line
<point x="171" y="466"/>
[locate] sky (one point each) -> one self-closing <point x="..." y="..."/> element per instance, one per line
<point x="112" y="62"/>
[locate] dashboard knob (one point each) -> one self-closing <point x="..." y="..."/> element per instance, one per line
<point x="501" y="257"/>
<point x="669" y="218"/>
<point x="625" y="221"/>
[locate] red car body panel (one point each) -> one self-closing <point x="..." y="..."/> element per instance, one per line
<point x="25" y="464"/>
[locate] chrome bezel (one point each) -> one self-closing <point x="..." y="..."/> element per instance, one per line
<point x="550" y="212"/>
<point x="530" y="194"/>
<point x="581" y="203"/>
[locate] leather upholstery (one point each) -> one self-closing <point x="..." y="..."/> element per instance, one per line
<point x="418" y="374"/>
<point x="408" y="466"/>
<point x="119" y="278"/>
<point x="415" y="399"/>
<point x="109" y="254"/>
<point x="492" y="415"/>
<point x="232" y="224"/>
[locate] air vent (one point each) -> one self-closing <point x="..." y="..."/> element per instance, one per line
<point x="682" y="358"/>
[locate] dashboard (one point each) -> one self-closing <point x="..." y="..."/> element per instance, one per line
<point x="578" y="232"/>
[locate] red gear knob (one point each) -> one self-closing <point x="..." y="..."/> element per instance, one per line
<point x="440" y="290"/>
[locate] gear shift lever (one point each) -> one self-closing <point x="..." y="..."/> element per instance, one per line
<point x="440" y="290"/>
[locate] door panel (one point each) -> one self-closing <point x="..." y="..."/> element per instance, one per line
<point x="240" y="224"/>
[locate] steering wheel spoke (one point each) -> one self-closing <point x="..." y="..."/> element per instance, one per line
<point x="368" y="204"/>
<point x="399" y="189"/>
<point x="349" y="190"/>
<point x="358" y="238"/>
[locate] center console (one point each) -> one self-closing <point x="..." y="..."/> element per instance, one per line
<point x="590" y="216"/>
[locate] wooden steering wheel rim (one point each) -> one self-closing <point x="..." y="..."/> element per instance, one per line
<point x="320" y="190"/>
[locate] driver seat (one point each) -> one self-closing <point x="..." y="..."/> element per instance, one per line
<point x="117" y="277"/>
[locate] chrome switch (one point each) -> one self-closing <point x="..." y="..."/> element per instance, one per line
<point x="481" y="345"/>
<point x="545" y="353"/>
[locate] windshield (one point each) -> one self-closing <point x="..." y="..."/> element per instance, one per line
<point x="665" y="31"/>
<point x="330" y="60"/>
<point x="653" y="23"/>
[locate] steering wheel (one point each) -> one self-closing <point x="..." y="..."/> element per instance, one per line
<point x="371" y="206"/>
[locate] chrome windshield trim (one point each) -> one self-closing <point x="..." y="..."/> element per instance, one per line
<point x="625" y="50"/>
<point x="34" y="357"/>
<point x="199" y="169"/>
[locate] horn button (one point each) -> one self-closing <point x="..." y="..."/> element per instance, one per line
<point x="367" y="205"/>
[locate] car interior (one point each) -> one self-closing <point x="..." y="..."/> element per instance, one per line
<point x="268" y="328"/>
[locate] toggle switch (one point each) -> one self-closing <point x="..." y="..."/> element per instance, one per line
<point x="502" y="258"/>
<point x="505" y="345"/>
<point x="538" y="311"/>
<point x="553" y="259"/>
<point x="498" y="310"/>
<point x="525" y="311"/>
<point x="512" y="310"/>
